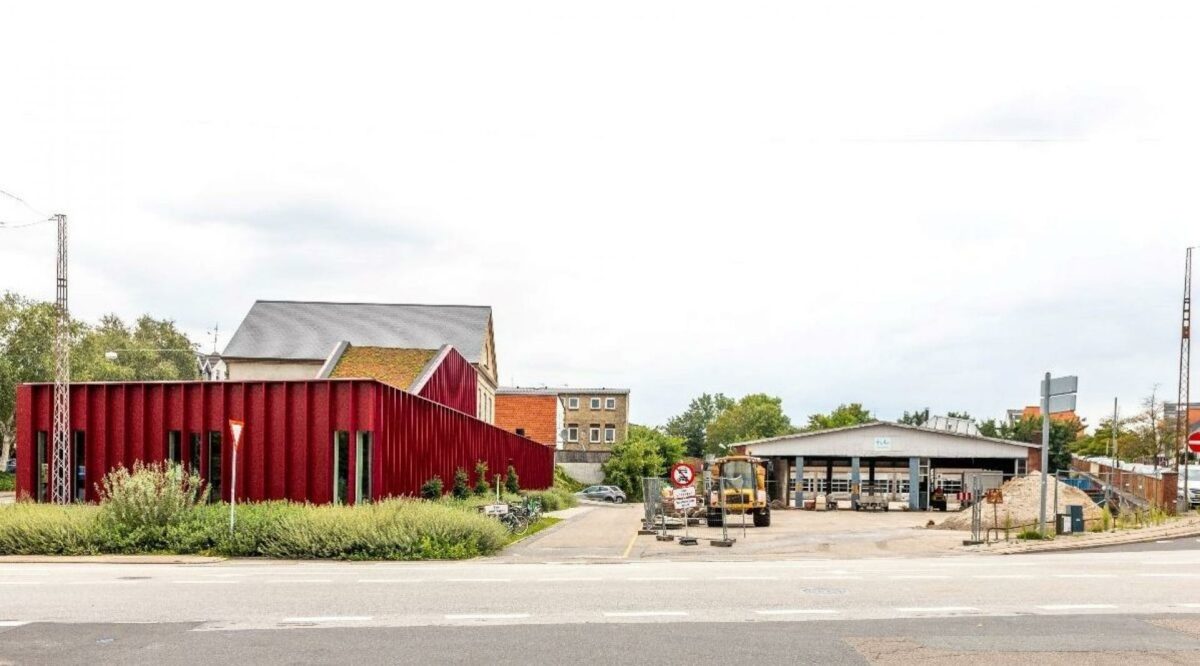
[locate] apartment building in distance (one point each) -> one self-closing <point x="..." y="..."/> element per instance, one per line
<point x="582" y="424"/>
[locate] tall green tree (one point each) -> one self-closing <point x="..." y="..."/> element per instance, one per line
<point x="918" y="417"/>
<point x="1063" y="432"/>
<point x="27" y="353"/>
<point x="843" y="416"/>
<point x="645" y="453"/>
<point x="692" y="425"/>
<point x="755" y="416"/>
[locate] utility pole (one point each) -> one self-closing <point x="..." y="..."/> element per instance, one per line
<point x="1112" y="458"/>
<point x="1045" y="451"/>
<point x="1185" y="369"/>
<point x="61" y="469"/>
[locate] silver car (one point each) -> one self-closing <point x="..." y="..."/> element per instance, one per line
<point x="603" y="494"/>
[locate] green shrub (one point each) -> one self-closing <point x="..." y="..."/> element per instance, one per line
<point x="553" y="499"/>
<point x="564" y="480"/>
<point x="137" y="508"/>
<point x="462" y="483"/>
<point x="1032" y="534"/>
<point x="511" y="483"/>
<point x="8" y="482"/>
<point x="481" y="482"/>
<point x="433" y="489"/>
<point x="47" y="529"/>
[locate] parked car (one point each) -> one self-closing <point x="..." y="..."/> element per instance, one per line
<point x="603" y="494"/>
<point x="11" y="466"/>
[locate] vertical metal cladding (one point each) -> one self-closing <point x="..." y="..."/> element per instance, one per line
<point x="286" y="451"/>
<point x="453" y="383"/>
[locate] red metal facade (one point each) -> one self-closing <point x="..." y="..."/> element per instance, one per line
<point x="453" y="383"/>
<point x="287" y="446"/>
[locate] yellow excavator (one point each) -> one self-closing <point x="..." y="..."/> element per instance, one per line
<point x="745" y="489"/>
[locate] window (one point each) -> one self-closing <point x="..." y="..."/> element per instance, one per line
<point x="362" y="468"/>
<point x="610" y="433"/>
<point x="214" y="465"/>
<point x="79" y="464"/>
<point x="341" y="465"/>
<point x="595" y="403"/>
<point x="174" y="447"/>
<point x="42" y="469"/>
<point x="610" y="403"/>
<point x="594" y="432"/>
<point x="194" y="453"/>
<point x="521" y="432"/>
<point x="573" y="403"/>
<point x="572" y="432"/>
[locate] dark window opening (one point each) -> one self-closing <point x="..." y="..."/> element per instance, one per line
<point x="521" y="431"/>
<point x="42" y="469"/>
<point x="174" y="447"/>
<point x="194" y="453"/>
<point x="214" y="466"/>
<point x="362" y="468"/>
<point x="79" y="464"/>
<point x="341" y="465"/>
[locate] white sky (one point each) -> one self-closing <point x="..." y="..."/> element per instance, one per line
<point x="903" y="204"/>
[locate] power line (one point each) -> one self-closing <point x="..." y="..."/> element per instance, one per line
<point x="24" y="203"/>
<point x="13" y="225"/>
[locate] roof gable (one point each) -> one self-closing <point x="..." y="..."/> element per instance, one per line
<point x="298" y="330"/>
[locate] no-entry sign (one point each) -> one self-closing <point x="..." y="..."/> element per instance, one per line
<point x="682" y="475"/>
<point x="1194" y="442"/>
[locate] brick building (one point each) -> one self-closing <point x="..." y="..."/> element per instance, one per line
<point x="582" y="423"/>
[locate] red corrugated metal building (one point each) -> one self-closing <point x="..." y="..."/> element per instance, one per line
<point x="304" y="440"/>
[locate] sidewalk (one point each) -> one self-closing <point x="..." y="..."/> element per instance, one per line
<point x="1183" y="527"/>
<point x="109" y="559"/>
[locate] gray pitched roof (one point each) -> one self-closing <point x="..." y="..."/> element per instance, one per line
<point x="297" y="330"/>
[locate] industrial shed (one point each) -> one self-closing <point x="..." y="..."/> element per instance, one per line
<point x="892" y="455"/>
<point x="320" y="441"/>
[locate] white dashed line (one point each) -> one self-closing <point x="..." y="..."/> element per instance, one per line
<point x="829" y="578"/>
<point x="1004" y="577"/>
<point x="300" y="581"/>
<point x="1085" y="575"/>
<point x="389" y="581"/>
<point x="939" y="609"/>
<point x="922" y="577"/>
<point x="12" y="623"/>
<point x="205" y="582"/>
<point x="569" y="580"/>
<point x="478" y="580"/>
<point x="747" y="578"/>
<point x="327" y="618"/>
<point x="1059" y="607"/>
<point x="488" y="616"/>
<point x="1187" y="605"/>
<point x="796" y="611"/>
<point x="1170" y="575"/>
<point x="20" y="582"/>
<point x="646" y="614"/>
<point x="657" y="578"/>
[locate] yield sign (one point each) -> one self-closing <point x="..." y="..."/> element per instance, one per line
<point x="235" y="427"/>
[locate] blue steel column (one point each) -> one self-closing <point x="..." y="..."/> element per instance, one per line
<point x="799" y="482"/>
<point x="855" y="482"/>
<point x="914" y="483"/>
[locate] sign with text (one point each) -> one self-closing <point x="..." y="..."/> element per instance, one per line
<point x="883" y="443"/>
<point x="684" y="492"/>
<point x="995" y="496"/>
<point x="1061" y="385"/>
<point x="686" y="503"/>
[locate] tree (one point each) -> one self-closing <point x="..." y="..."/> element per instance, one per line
<point x="645" y="453"/>
<point x="756" y="416"/>
<point x="1129" y="441"/>
<point x="511" y="482"/>
<point x="843" y="416"/>
<point x="27" y="353"/>
<point x="692" y="425"/>
<point x="1063" y="432"/>
<point x="481" y="481"/>
<point x="462" y="484"/>
<point x="918" y="417"/>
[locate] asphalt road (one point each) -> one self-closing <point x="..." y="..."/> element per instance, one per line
<point x="1143" y="603"/>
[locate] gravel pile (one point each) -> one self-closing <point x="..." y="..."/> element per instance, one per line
<point x="1022" y="503"/>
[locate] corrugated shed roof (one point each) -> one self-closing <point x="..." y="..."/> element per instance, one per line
<point x="299" y="330"/>
<point x="394" y="367"/>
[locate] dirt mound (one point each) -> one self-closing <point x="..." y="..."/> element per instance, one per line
<point x="1022" y="503"/>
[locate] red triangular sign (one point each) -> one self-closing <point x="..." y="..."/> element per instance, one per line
<point x="235" y="427"/>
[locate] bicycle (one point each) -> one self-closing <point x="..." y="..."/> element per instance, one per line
<point x="515" y="521"/>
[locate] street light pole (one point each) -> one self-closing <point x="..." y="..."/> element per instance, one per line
<point x="1045" y="450"/>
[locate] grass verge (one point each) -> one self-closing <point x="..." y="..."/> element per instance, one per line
<point x="542" y="523"/>
<point x="8" y="482"/>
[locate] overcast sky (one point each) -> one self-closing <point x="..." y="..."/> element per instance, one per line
<point x="903" y="204"/>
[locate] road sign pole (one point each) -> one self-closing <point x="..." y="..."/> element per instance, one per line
<point x="1045" y="449"/>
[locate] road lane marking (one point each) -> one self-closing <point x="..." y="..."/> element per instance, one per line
<point x="386" y="581"/>
<point x="1169" y="575"/>
<point x="1056" y="607"/>
<point x="327" y="618"/>
<point x="205" y="582"/>
<point x="828" y="578"/>
<point x="1004" y="577"/>
<point x="488" y="616"/>
<point x="569" y="580"/>
<point x="298" y="581"/>
<point x="747" y="578"/>
<point x="1085" y="575"/>
<point x="657" y="578"/>
<point x="102" y="582"/>
<point x="1188" y="605"/>
<point x="796" y="611"/>
<point x="646" y="614"/>
<point x="478" y="580"/>
<point x="920" y="577"/>
<point x="629" y="546"/>
<point x="939" y="609"/>
<point x="12" y="623"/>
<point x="21" y="582"/>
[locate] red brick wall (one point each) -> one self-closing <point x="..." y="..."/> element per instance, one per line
<point x="537" y="414"/>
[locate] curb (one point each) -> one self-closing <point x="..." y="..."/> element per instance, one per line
<point x="1052" y="546"/>
<point x="110" y="559"/>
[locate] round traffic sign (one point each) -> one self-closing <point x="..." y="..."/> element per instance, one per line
<point x="682" y="475"/>
<point x="1194" y="442"/>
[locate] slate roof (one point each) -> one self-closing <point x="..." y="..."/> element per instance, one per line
<point x="300" y="330"/>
